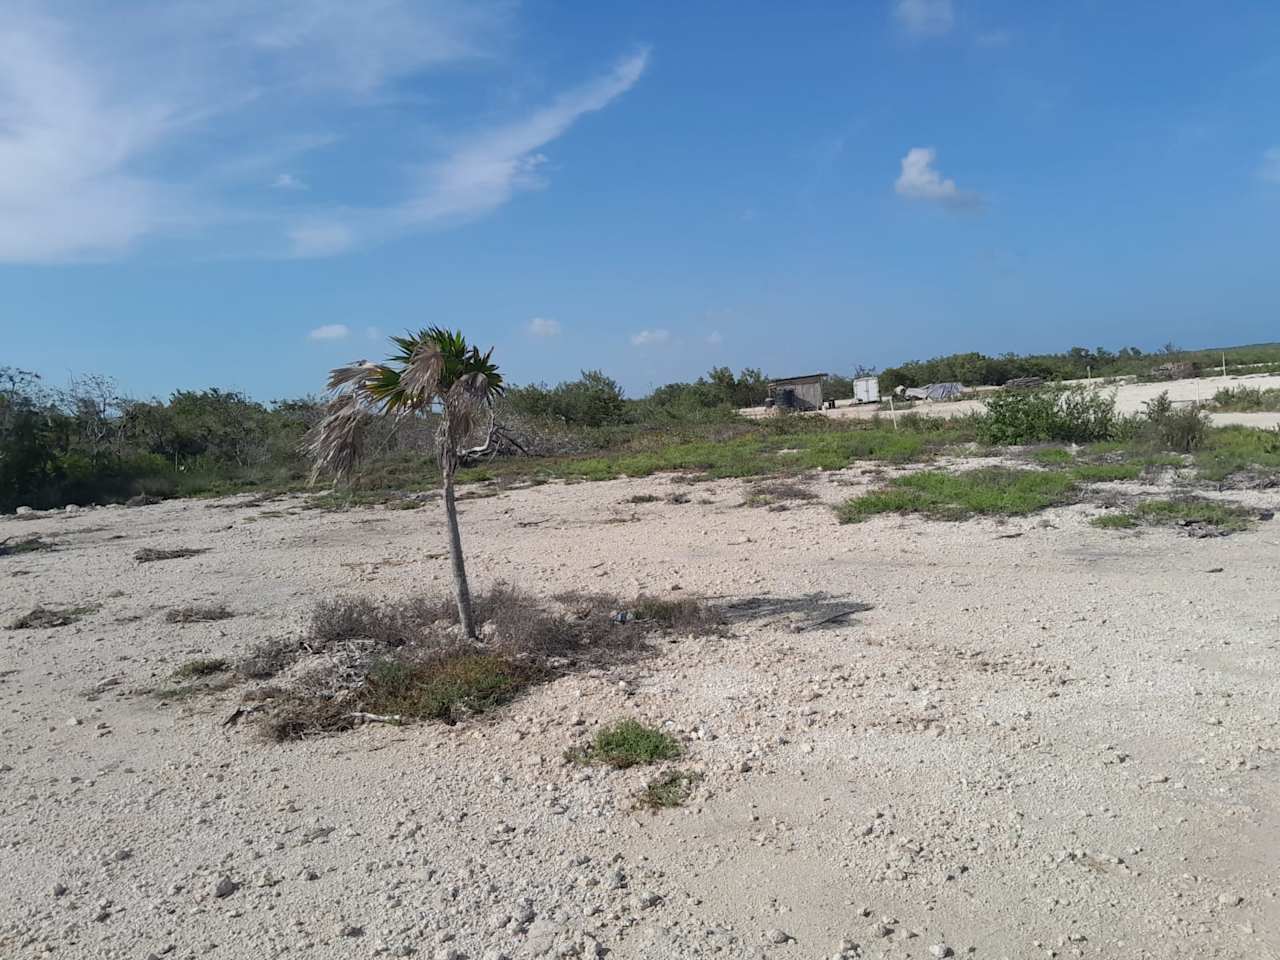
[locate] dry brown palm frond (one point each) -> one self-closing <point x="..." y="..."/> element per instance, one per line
<point x="336" y="443"/>
<point x="464" y="403"/>
<point x="352" y="373"/>
<point x="421" y="377"/>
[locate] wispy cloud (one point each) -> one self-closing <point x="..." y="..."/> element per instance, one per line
<point x="287" y="181"/>
<point x="924" y="18"/>
<point x="650" y="338"/>
<point x="95" y="156"/>
<point x="1270" y="168"/>
<point x="920" y="180"/>
<point x="715" y="338"/>
<point x="486" y="169"/>
<point x="330" y="331"/>
<point x="544" y="327"/>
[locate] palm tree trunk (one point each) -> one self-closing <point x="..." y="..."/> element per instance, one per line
<point x="461" y="590"/>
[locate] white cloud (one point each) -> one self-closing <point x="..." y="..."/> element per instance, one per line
<point x="485" y="170"/>
<point x="647" y="338"/>
<point x="544" y="327"/>
<point x="330" y="331"/>
<point x="1270" y="169"/>
<point x="96" y="156"/>
<point x="924" y="17"/>
<point x="920" y="180"/>
<point x="715" y="338"/>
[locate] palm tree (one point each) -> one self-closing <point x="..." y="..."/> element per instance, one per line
<point x="432" y="367"/>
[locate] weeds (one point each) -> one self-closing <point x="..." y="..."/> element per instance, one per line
<point x="197" y="669"/>
<point x="152" y="554"/>
<point x="12" y="547"/>
<point x="994" y="491"/>
<point x="408" y="659"/>
<point x="777" y="492"/>
<point x="1246" y="399"/>
<point x="628" y="743"/>
<point x="1198" y="515"/>
<point x="198" y="614"/>
<point x="670" y="789"/>
<point x="42" y="618"/>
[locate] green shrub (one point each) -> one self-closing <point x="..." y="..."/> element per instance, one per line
<point x="629" y="743"/>
<point x="1074" y="415"/>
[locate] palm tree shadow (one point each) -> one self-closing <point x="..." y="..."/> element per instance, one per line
<point x="817" y="609"/>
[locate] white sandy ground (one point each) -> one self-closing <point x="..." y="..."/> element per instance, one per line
<point x="1130" y="397"/>
<point x="1044" y="740"/>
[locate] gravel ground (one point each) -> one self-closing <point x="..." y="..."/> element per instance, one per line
<point x="1042" y="740"/>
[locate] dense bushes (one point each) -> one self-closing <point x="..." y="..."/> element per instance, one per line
<point x="1075" y="364"/>
<point x="1077" y="415"/>
<point x="88" y="444"/>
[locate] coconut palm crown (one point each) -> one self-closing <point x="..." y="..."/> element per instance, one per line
<point x="433" y="366"/>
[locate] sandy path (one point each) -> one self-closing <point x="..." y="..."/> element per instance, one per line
<point x="1044" y="737"/>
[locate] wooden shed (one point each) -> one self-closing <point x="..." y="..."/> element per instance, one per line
<point x="797" y="393"/>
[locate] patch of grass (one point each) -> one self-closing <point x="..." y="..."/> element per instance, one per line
<point x="196" y="669"/>
<point x="1194" y="510"/>
<point x="1115" y="521"/>
<point x="16" y="546"/>
<point x="1195" y="513"/>
<point x="1235" y="449"/>
<point x="643" y="498"/>
<point x="1053" y="457"/>
<point x="994" y="491"/>
<point x="671" y="789"/>
<point x="152" y="554"/>
<point x="42" y="618"/>
<point x="198" y="614"/>
<point x="1246" y="399"/>
<point x="629" y="743"/>
<point x="1107" y="472"/>
<point x="443" y="688"/>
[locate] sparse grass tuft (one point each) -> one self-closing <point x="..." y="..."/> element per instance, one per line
<point x="685" y="615"/>
<point x="198" y="614"/>
<point x="642" y="498"/>
<point x="195" y="669"/>
<point x="152" y="554"/>
<point x="42" y="618"/>
<point x="628" y="743"/>
<point x="1114" y="521"/>
<point x="776" y="493"/>
<point x="994" y="491"/>
<point x="671" y="789"/>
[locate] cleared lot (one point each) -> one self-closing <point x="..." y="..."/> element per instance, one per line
<point x="1041" y="739"/>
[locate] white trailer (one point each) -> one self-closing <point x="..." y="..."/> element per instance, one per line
<point x="866" y="390"/>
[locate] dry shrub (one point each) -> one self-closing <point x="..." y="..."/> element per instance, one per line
<point x="152" y="554"/>
<point x="407" y="660"/>
<point x="198" y="614"/>
<point x="42" y="618"/>
<point x="12" y="546"/>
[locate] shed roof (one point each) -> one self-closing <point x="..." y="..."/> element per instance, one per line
<point x="807" y="378"/>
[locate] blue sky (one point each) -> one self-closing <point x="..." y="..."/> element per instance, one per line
<point x="245" y="194"/>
